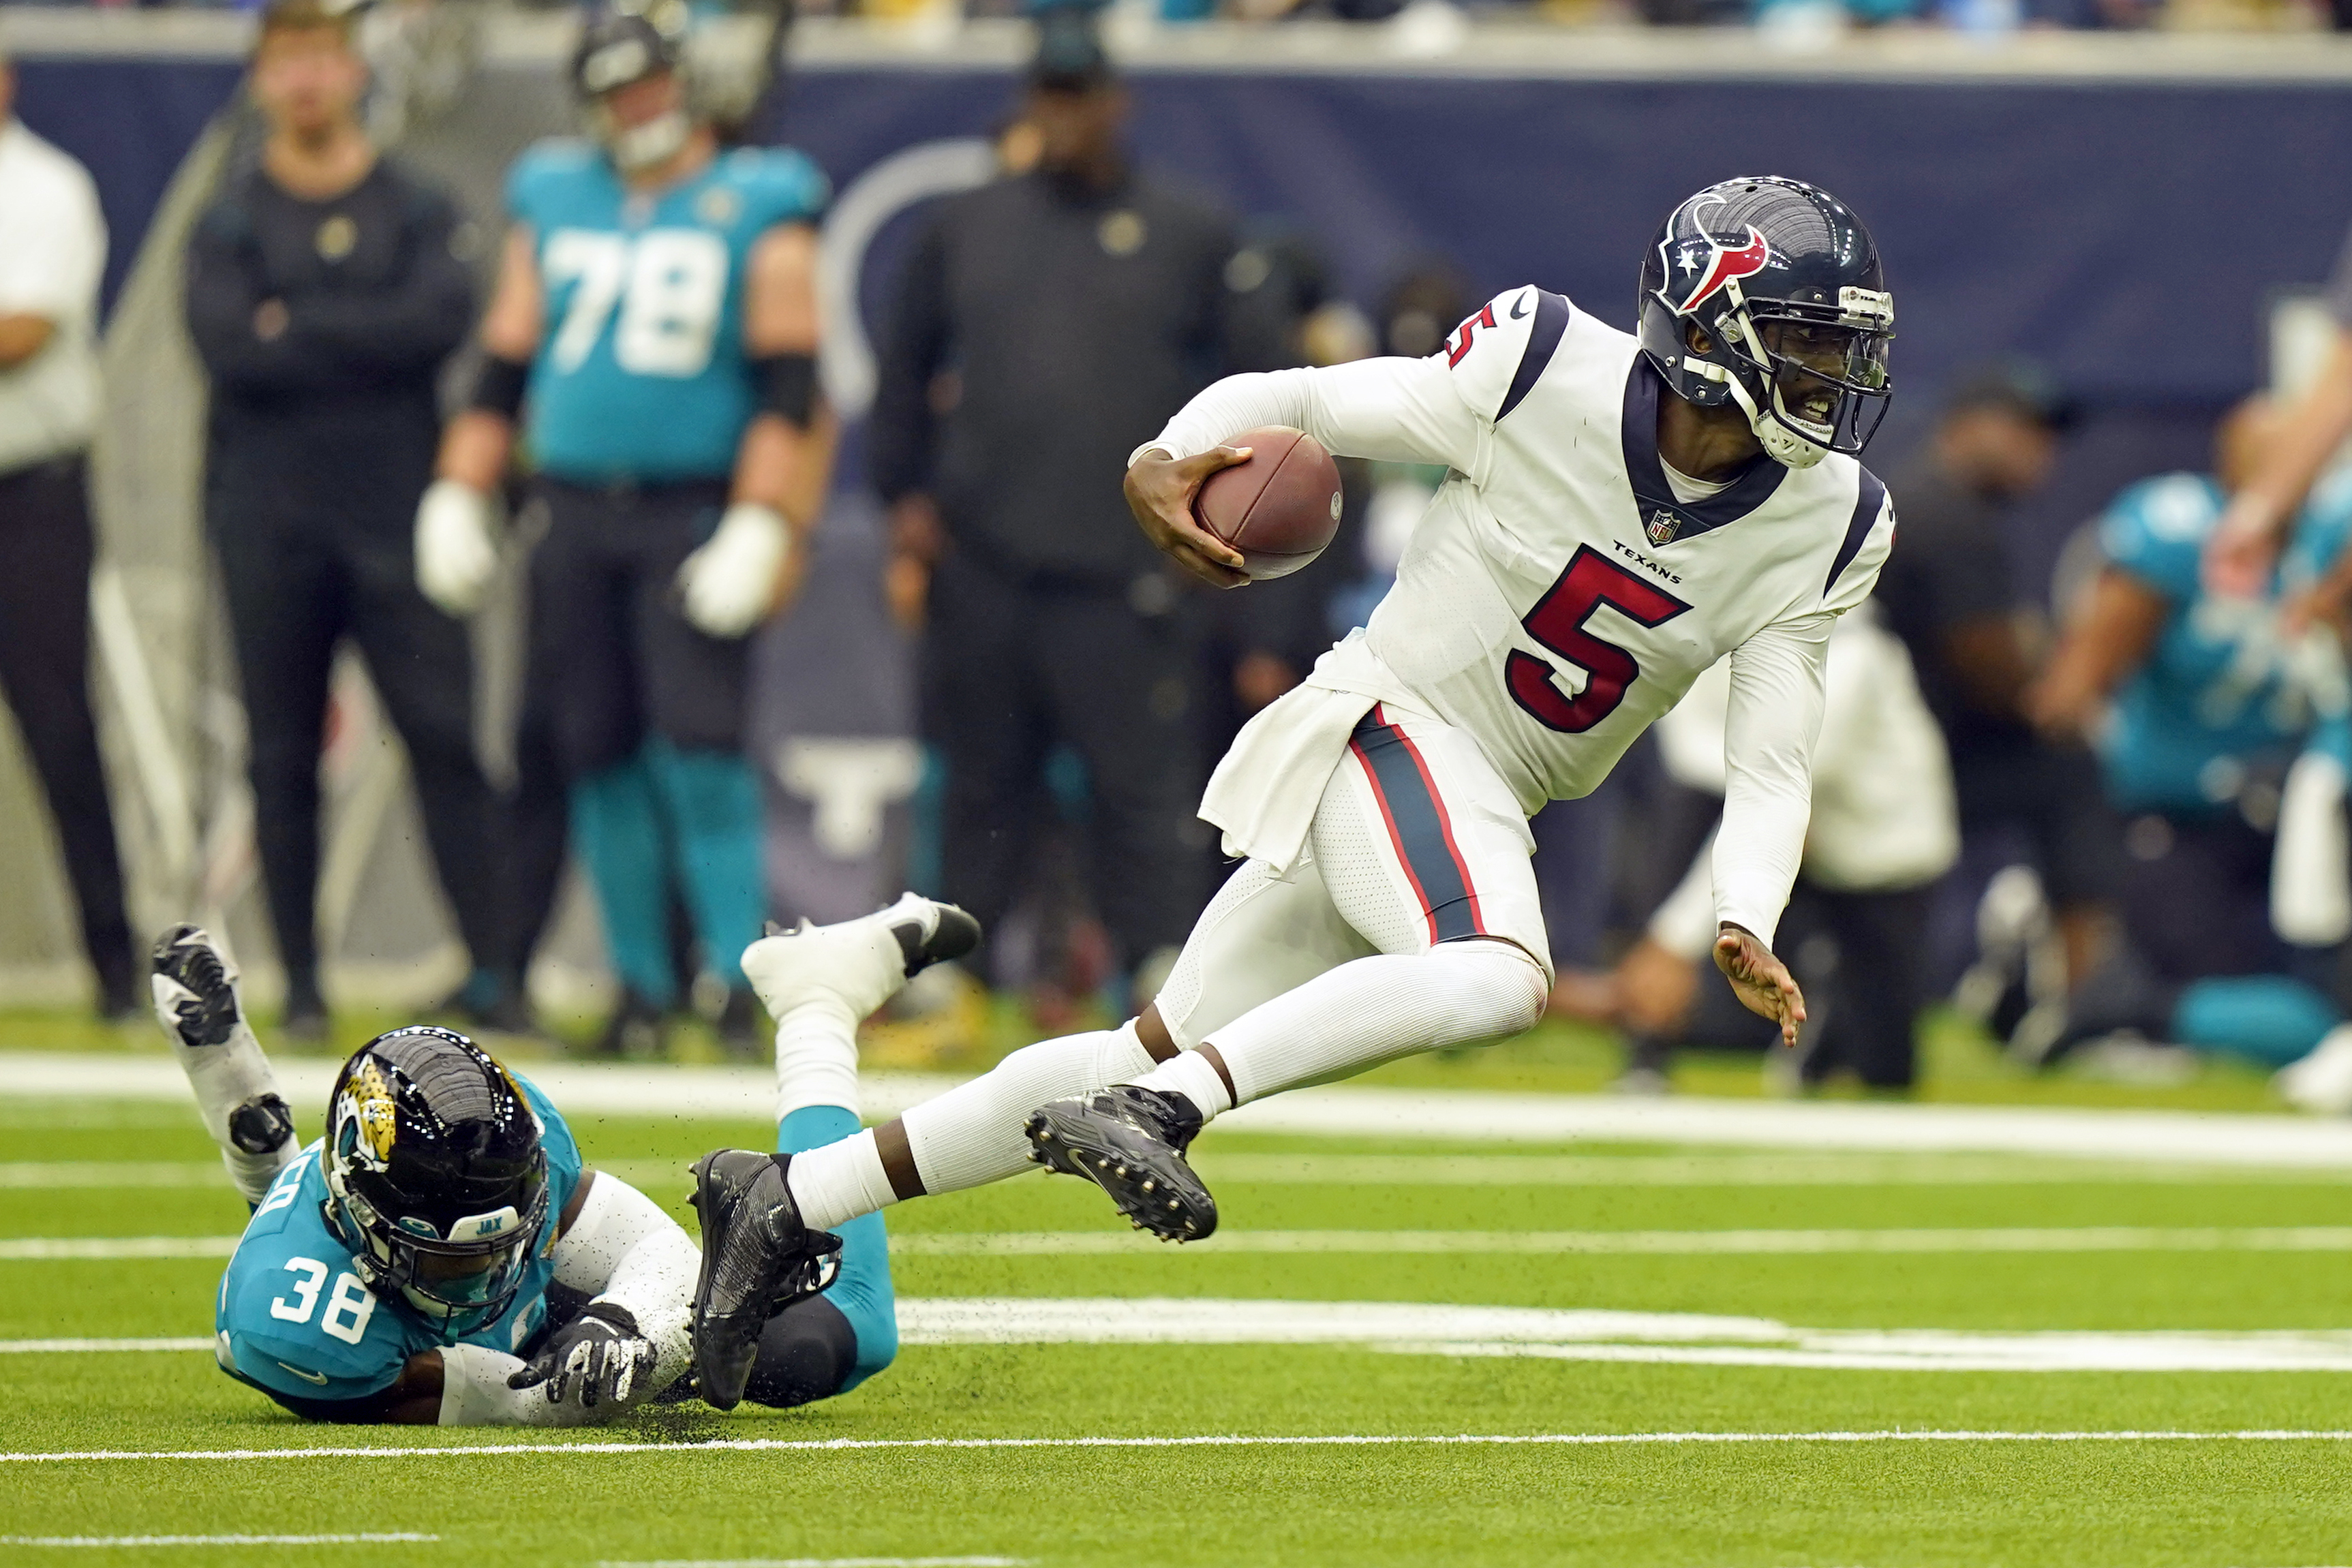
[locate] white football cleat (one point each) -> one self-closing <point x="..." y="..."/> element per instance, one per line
<point x="2320" y="1083"/>
<point x="862" y="961"/>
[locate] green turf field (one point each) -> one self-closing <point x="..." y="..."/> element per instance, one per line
<point x="1784" y="1258"/>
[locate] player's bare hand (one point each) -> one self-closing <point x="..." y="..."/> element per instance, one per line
<point x="1159" y="491"/>
<point x="2241" y="550"/>
<point x="1762" y="981"/>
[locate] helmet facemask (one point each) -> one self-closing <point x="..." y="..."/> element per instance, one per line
<point x="459" y="1280"/>
<point x="1812" y="379"/>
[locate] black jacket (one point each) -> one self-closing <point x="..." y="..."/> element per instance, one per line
<point x="1039" y="335"/>
<point x="341" y="405"/>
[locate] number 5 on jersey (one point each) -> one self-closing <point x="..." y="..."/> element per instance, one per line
<point x="1558" y="621"/>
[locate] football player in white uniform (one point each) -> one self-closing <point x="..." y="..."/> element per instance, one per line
<point x="1621" y="511"/>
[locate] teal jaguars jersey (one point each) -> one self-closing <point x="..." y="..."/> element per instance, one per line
<point x="641" y="372"/>
<point x="294" y="1318"/>
<point x="2221" y="690"/>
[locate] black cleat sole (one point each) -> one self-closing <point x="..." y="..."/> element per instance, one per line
<point x="1143" y="1175"/>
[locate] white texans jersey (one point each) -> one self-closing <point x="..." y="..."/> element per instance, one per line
<point x="1560" y="596"/>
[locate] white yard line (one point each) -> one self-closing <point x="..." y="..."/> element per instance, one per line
<point x="817" y="1563"/>
<point x="39" y="1174"/>
<point x="1534" y="1243"/>
<point x="747" y="1093"/>
<point x="75" y="1249"/>
<point x="1432" y="1328"/>
<point x="1348" y="1440"/>
<point x="2086" y="1238"/>
<point x="366" y="1538"/>
<point x="98" y="1346"/>
<point x="1853" y="1170"/>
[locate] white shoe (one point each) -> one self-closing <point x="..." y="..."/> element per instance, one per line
<point x="862" y="961"/>
<point x="2320" y="1083"/>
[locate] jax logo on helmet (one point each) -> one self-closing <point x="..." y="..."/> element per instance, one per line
<point x="1724" y="264"/>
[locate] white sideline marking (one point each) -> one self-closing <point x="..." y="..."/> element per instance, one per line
<point x="97" y="1346"/>
<point x="370" y="1537"/>
<point x="1537" y="1243"/>
<point x="2084" y="1238"/>
<point x="1349" y="1440"/>
<point x="1453" y="1116"/>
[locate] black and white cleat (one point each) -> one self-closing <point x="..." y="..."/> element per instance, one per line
<point x="195" y="989"/>
<point x="930" y="931"/>
<point x="1130" y="1143"/>
<point x="757" y="1258"/>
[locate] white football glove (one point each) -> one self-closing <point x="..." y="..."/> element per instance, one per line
<point x="730" y="584"/>
<point x="456" y="556"/>
<point x="599" y="1358"/>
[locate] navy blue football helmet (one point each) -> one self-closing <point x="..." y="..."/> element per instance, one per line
<point x="1793" y="318"/>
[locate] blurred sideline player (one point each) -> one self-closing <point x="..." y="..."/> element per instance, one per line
<point x="444" y="1256"/>
<point x="1885" y="826"/>
<point x="2197" y="702"/>
<point x="654" y="326"/>
<point x="1621" y="513"/>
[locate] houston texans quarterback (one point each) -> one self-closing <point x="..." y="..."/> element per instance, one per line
<point x="443" y="1255"/>
<point x="1621" y="512"/>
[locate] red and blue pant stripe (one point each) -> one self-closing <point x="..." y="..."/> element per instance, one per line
<point x="1418" y="828"/>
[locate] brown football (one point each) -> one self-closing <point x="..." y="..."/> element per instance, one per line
<point x="1279" y="506"/>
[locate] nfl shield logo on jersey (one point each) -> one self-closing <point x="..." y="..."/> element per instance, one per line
<point x="1663" y="526"/>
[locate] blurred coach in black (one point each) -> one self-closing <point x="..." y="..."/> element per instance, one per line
<point x="1048" y="325"/>
<point x="324" y="292"/>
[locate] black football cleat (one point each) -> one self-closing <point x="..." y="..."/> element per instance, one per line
<point x="757" y="1258"/>
<point x="1130" y="1142"/>
<point x="196" y="995"/>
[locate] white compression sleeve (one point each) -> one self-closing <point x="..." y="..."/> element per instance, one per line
<point x="1372" y="1010"/>
<point x="474" y="1393"/>
<point x="970" y="1134"/>
<point x="225" y="1076"/>
<point x="817" y="1054"/>
<point x="1778" y="677"/>
<point x="624" y="1250"/>
<point x="1405" y="411"/>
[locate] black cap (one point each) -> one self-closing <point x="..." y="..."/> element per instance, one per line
<point x="2015" y="385"/>
<point x="1070" y="55"/>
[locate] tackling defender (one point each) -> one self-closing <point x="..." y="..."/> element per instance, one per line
<point x="655" y="326"/>
<point x="1621" y="512"/>
<point x="443" y="1255"/>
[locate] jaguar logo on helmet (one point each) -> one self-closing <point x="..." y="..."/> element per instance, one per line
<point x="1725" y="265"/>
<point x="368" y="1101"/>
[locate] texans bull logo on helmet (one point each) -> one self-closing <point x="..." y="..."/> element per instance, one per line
<point x="1728" y="263"/>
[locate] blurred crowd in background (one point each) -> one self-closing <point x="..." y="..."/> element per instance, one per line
<point x="2061" y="808"/>
<point x="1794" y="19"/>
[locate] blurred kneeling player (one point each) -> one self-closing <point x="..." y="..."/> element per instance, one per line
<point x="443" y="1255"/>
